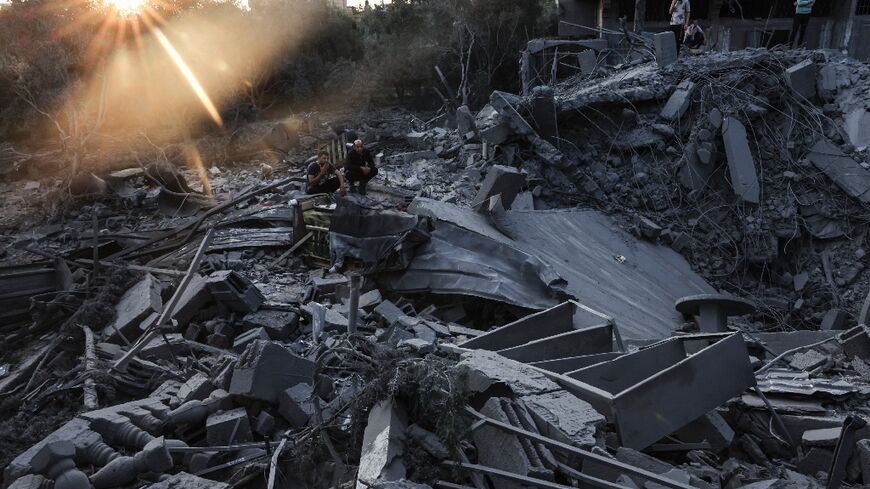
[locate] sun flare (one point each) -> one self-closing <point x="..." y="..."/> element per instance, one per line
<point x="126" y="7"/>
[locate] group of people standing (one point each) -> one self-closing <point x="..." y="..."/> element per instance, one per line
<point x="687" y="31"/>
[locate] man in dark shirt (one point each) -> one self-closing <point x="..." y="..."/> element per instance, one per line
<point x="323" y="178"/>
<point x="359" y="166"/>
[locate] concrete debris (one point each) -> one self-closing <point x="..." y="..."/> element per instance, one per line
<point x="383" y="445"/>
<point x="581" y="273"/>
<point x="802" y="78"/>
<point x="741" y="164"/>
<point x="680" y="101"/>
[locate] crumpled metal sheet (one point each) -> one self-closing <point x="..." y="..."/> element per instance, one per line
<point x="635" y="282"/>
<point x="381" y="240"/>
<point x="461" y="262"/>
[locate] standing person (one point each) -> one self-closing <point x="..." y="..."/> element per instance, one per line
<point x="359" y="166"/>
<point x="323" y="178"/>
<point x="802" y="11"/>
<point x="681" y="11"/>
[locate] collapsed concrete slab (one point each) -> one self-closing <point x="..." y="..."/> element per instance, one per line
<point x="741" y="165"/>
<point x="383" y="445"/>
<point x="266" y="369"/>
<point x="847" y="173"/>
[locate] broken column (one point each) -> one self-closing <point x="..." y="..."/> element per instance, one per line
<point x="741" y="165"/>
<point x="383" y="445"/>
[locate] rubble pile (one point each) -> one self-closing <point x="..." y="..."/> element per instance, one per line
<point x="550" y="293"/>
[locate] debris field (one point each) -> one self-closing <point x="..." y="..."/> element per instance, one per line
<point x="647" y="274"/>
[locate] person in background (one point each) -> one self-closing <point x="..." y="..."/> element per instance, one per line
<point x="802" y="11"/>
<point x="681" y="11"/>
<point x="323" y="178"/>
<point x="359" y="166"/>
<point x="696" y="39"/>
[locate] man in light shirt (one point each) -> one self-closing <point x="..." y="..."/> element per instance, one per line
<point x="802" y="11"/>
<point x="681" y="11"/>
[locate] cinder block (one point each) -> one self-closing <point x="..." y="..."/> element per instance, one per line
<point x="228" y="427"/>
<point x="266" y="369"/>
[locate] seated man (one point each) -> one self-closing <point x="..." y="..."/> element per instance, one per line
<point x="359" y="166"/>
<point x="695" y="37"/>
<point x="323" y="178"/>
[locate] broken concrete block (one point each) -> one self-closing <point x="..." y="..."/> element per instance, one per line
<point x="562" y="416"/>
<point x="679" y="102"/>
<point x="234" y="291"/>
<point x="383" y="445"/>
<point x="370" y="298"/>
<point x="741" y="165"/>
<point x="716" y="118"/>
<point x="694" y="175"/>
<point x="193" y="299"/>
<point x="807" y="360"/>
<point x="243" y="340"/>
<point x="665" y="44"/>
<point x="823" y="437"/>
<point x="183" y="480"/>
<point x="388" y="312"/>
<point x="485" y="369"/>
<point x="195" y="388"/>
<point x="802" y="78"/>
<point x="465" y="120"/>
<point x="857" y="127"/>
<point x="265" y="424"/>
<point x="295" y="405"/>
<point x="266" y="369"/>
<point x="419" y="345"/>
<point x="503" y="180"/>
<point x="827" y="82"/>
<point x="835" y="319"/>
<point x="496" y="134"/>
<point x="278" y="324"/>
<point x="847" y="173"/>
<point x="135" y="305"/>
<point x="228" y="427"/>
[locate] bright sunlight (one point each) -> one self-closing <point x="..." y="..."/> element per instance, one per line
<point x="126" y="7"/>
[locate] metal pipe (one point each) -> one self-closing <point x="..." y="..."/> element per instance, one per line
<point x="353" y="306"/>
